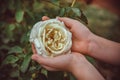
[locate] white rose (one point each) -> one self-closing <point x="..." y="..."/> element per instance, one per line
<point x="51" y="38"/>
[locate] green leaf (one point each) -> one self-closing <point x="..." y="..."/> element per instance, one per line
<point x="25" y="63"/>
<point x="68" y="12"/>
<point x="15" y="49"/>
<point x="62" y="12"/>
<point x="11" y="27"/>
<point x="25" y="37"/>
<point x="10" y="59"/>
<point x="72" y="12"/>
<point x="76" y="11"/>
<point x="19" y="15"/>
<point x="9" y="31"/>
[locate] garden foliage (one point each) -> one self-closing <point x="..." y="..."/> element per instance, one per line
<point x="17" y="19"/>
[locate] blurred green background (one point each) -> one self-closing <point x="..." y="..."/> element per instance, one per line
<point x="17" y="18"/>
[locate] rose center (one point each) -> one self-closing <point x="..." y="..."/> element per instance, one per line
<point x="53" y="38"/>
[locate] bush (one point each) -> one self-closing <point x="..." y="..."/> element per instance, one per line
<point x="18" y="17"/>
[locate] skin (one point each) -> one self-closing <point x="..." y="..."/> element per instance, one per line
<point x="75" y="63"/>
<point x="85" y="42"/>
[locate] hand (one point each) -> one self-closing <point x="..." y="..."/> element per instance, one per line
<point x="80" y="34"/>
<point x="60" y="63"/>
<point x="75" y="63"/>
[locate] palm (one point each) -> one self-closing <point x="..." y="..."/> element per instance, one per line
<point x="79" y="45"/>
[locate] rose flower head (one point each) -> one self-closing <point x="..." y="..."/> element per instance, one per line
<point x="51" y="38"/>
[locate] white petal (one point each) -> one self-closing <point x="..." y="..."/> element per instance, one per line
<point x="43" y="39"/>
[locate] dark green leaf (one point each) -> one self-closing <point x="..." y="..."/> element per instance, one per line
<point x="68" y="12"/>
<point x="83" y="18"/>
<point x="26" y="63"/>
<point x="10" y="59"/>
<point x="62" y="12"/>
<point x="19" y="15"/>
<point x="15" y="49"/>
<point x="25" y="37"/>
<point x="9" y="31"/>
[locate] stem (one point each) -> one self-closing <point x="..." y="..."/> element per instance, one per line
<point x="73" y="3"/>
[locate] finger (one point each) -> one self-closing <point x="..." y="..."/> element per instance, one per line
<point x="33" y="49"/>
<point x="50" y="68"/>
<point x="56" y="62"/>
<point x="42" y="60"/>
<point x="45" y="18"/>
<point x="68" y="22"/>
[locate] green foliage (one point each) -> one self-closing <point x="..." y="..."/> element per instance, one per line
<point x="25" y="63"/>
<point x="15" y="49"/>
<point x="16" y="21"/>
<point x="11" y="59"/>
<point x="18" y="17"/>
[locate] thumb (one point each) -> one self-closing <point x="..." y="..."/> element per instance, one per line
<point x="37" y="58"/>
<point x="68" y="22"/>
<point x="42" y="60"/>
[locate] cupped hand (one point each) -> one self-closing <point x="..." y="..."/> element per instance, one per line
<point x="67" y="62"/>
<point x="75" y="63"/>
<point x="80" y="34"/>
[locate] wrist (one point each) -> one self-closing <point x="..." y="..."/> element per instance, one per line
<point x="92" y="44"/>
<point x="82" y="69"/>
<point x="78" y="66"/>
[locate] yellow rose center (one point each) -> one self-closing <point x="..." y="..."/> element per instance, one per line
<point x="53" y="38"/>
